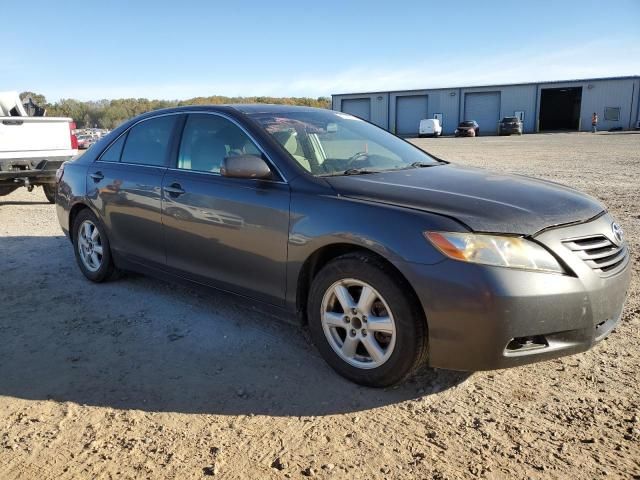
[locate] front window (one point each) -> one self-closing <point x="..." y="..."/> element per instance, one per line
<point x="208" y="139"/>
<point x="467" y="124"/>
<point x="333" y="143"/>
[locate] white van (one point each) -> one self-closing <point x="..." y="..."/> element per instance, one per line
<point x="430" y="127"/>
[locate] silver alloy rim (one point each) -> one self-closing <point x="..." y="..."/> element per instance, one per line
<point x="90" y="246"/>
<point x="358" y="323"/>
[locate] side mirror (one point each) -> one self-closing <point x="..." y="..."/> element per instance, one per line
<point x="245" y="166"/>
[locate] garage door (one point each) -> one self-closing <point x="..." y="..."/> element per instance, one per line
<point x="484" y="108"/>
<point x="359" y="107"/>
<point x="409" y="111"/>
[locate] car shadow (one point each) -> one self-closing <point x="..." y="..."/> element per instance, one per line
<point x="18" y="203"/>
<point x="142" y="343"/>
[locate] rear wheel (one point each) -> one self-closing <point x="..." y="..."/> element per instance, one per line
<point x="6" y="189"/>
<point x="91" y="247"/>
<point x="365" y="321"/>
<point x="50" y="192"/>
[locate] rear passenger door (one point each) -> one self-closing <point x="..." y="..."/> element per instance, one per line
<point x="226" y="232"/>
<point x="124" y="185"/>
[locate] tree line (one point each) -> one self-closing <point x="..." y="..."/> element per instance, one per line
<point x="111" y="113"/>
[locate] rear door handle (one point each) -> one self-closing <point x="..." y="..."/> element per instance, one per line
<point x="175" y="189"/>
<point x="96" y="176"/>
<point x="12" y="122"/>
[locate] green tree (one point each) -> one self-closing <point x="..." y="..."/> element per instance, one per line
<point x="111" y="113"/>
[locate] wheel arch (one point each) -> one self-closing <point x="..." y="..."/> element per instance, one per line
<point x="73" y="214"/>
<point x="322" y="256"/>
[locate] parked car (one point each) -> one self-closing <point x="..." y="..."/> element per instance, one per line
<point x="509" y="125"/>
<point x="393" y="257"/>
<point x="85" y="141"/>
<point x="32" y="148"/>
<point x="467" y="128"/>
<point x="430" y="127"/>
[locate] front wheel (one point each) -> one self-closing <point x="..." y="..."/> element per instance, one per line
<point x="50" y="192"/>
<point x="365" y="321"/>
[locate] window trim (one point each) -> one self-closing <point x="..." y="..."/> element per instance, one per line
<point x="272" y="164"/>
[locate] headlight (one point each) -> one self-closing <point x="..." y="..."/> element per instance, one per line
<point x="513" y="252"/>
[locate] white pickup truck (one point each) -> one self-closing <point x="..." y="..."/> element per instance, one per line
<point x="32" y="148"/>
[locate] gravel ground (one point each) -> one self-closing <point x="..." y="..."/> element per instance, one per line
<point x="138" y="378"/>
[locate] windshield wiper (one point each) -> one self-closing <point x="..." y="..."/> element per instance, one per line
<point x="351" y="171"/>
<point x="358" y="171"/>
<point x="423" y="164"/>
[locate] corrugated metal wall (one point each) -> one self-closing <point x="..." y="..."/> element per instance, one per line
<point x="444" y="102"/>
<point x="597" y="95"/>
<point x="391" y="110"/>
<point x="379" y="106"/>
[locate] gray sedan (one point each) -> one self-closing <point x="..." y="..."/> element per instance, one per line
<point x="394" y="258"/>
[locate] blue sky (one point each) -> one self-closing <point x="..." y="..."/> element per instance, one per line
<point x="175" y="50"/>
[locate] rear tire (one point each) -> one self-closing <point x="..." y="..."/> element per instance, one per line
<point x="384" y="339"/>
<point x="50" y="192"/>
<point x="91" y="247"/>
<point x="6" y="189"/>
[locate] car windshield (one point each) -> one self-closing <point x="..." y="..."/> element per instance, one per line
<point x="510" y="119"/>
<point x="466" y="124"/>
<point x="325" y="143"/>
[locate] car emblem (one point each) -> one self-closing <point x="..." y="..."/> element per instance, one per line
<point x="618" y="234"/>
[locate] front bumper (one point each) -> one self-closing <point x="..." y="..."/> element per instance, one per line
<point x="475" y="312"/>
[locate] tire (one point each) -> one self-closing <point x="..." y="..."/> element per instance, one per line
<point x="401" y="338"/>
<point x="6" y="189"/>
<point x="50" y="192"/>
<point x="104" y="268"/>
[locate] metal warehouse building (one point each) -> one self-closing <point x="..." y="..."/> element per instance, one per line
<point x="544" y="106"/>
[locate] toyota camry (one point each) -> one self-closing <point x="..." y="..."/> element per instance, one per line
<point x="393" y="258"/>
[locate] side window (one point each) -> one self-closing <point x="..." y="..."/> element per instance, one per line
<point x="112" y="154"/>
<point x="208" y="139"/>
<point x="148" y="142"/>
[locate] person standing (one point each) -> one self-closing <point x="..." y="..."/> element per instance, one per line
<point x="594" y="122"/>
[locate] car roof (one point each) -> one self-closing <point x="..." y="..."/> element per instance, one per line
<point x="245" y="108"/>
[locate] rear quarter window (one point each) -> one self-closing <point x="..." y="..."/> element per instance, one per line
<point x="112" y="154"/>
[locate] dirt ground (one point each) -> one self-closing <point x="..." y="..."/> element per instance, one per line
<point x="138" y="378"/>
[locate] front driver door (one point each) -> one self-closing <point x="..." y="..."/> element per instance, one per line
<point x="226" y="232"/>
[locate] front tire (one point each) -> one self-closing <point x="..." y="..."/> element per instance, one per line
<point x="91" y="247"/>
<point x="366" y="322"/>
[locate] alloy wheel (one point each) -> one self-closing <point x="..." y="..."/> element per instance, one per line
<point x="358" y="323"/>
<point x="90" y="246"/>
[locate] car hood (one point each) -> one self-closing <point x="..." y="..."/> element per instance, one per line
<point x="482" y="200"/>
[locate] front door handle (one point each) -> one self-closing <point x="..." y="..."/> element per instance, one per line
<point x="175" y="189"/>
<point x="97" y="176"/>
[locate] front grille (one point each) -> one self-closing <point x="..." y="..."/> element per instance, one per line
<point x="600" y="253"/>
